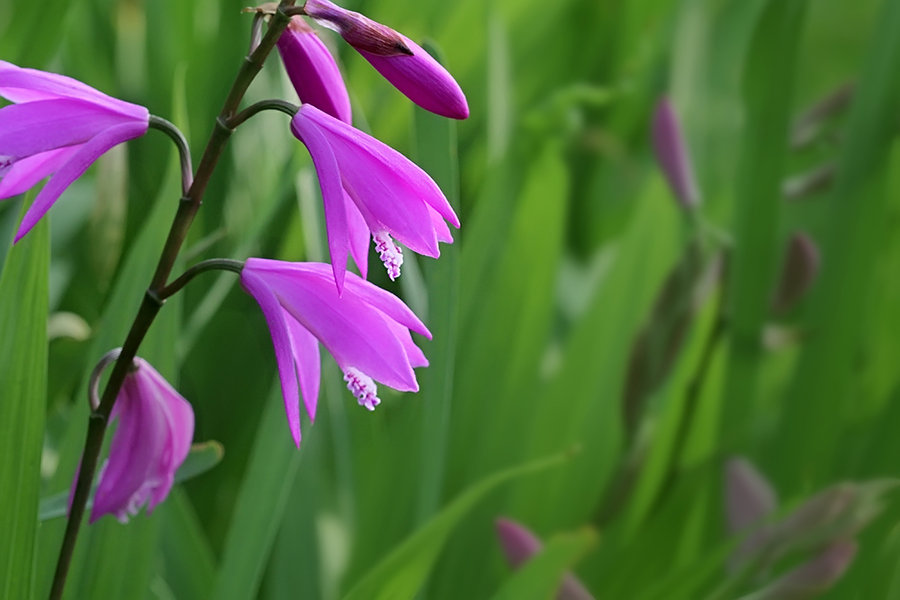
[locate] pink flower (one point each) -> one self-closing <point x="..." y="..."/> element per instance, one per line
<point x="399" y="60"/>
<point x="673" y="156"/>
<point x="366" y="330"/>
<point x="369" y="188"/>
<point x="152" y="440"/>
<point x="313" y="71"/>
<point x="58" y="126"/>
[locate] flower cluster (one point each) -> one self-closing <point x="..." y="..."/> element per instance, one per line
<point x="58" y="127"/>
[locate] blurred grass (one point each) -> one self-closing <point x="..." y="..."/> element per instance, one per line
<point x="568" y="237"/>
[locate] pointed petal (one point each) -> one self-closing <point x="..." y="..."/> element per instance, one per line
<point x="28" y="85"/>
<point x="313" y="70"/>
<point x="422" y="79"/>
<point x="413" y="353"/>
<point x="359" y="237"/>
<point x="27" y="129"/>
<point x="73" y="169"/>
<point x="305" y="348"/>
<point x="332" y="191"/>
<point x="355" y="334"/>
<point x="440" y="227"/>
<point x="27" y="172"/>
<point x="281" y="340"/>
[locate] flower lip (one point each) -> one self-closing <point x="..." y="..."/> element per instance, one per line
<point x="369" y="185"/>
<point x="366" y="330"/>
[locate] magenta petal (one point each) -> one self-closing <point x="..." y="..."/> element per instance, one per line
<point x="422" y="79"/>
<point x="332" y="191"/>
<point x="155" y="427"/>
<point x="28" y="172"/>
<point x="359" y="236"/>
<point x="305" y="349"/>
<point x="281" y="340"/>
<point x="72" y="170"/>
<point x="28" y="85"/>
<point x="672" y="154"/>
<point x="440" y="227"/>
<point x="35" y="127"/>
<point x="313" y="71"/>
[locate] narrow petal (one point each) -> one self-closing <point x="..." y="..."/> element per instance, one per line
<point x="332" y="191"/>
<point x="422" y="79"/>
<point x="359" y="237"/>
<point x="353" y="333"/>
<point x="29" y="171"/>
<point x="28" y="85"/>
<point x="281" y="340"/>
<point x="305" y="349"/>
<point x="385" y="160"/>
<point x="440" y="227"/>
<point x="313" y="70"/>
<point x="73" y="169"/>
<point x="27" y="129"/>
<point x="413" y="352"/>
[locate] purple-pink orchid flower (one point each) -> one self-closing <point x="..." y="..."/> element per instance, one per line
<point x="153" y="438"/>
<point x="366" y="330"/>
<point x="58" y="126"/>
<point x="313" y="71"/>
<point x="399" y="60"/>
<point x="673" y="156"/>
<point x="369" y="188"/>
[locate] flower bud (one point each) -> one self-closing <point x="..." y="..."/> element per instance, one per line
<point x="813" y="577"/>
<point x="801" y="266"/>
<point x="672" y="154"/>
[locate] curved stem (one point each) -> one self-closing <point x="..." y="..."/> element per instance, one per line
<point x="220" y="264"/>
<point x="184" y="151"/>
<point x="94" y="380"/>
<point x="152" y="302"/>
<point x="254" y="109"/>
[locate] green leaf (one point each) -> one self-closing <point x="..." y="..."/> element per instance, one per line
<point x="403" y="572"/>
<point x="23" y="371"/>
<point x="541" y="576"/>
<point x="260" y="504"/>
<point x="201" y="458"/>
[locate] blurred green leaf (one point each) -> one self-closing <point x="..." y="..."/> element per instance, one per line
<point x="23" y="371"/>
<point x="402" y="573"/>
<point x="540" y="577"/>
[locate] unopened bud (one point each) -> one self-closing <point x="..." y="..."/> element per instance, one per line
<point x="672" y="154"/>
<point x="749" y="497"/>
<point x="520" y="544"/>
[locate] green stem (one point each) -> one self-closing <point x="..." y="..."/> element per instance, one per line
<point x="184" y="151"/>
<point x="153" y="301"/>
<point x="279" y="105"/>
<point x="212" y="264"/>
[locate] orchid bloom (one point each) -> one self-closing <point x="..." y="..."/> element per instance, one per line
<point x="313" y="71"/>
<point x="401" y="61"/>
<point x="369" y="188"/>
<point x="153" y="438"/>
<point x="366" y="330"/>
<point x="57" y="126"/>
<point x="673" y="156"/>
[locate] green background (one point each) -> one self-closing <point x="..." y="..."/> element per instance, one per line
<point x="567" y="297"/>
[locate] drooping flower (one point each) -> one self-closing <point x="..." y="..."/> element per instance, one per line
<point x="673" y="156"/>
<point x="399" y="60"/>
<point x="369" y="188"/>
<point x="57" y="126"/>
<point x="519" y="545"/>
<point x="313" y="71"/>
<point x="366" y="330"/>
<point x="153" y="438"/>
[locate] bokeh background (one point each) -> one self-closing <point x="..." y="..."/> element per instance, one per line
<point x="599" y="352"/>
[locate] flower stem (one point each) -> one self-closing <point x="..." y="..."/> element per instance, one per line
<point x="184" y="151"/>
<point x="225" y="264"/>
<point x="153" y="300"/>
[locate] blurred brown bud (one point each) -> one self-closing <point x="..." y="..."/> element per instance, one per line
<point x="672" y="155"/>
<point x="801" y="266"/>
<point x="749" y="499"/>
<point x="813" y="577"/>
